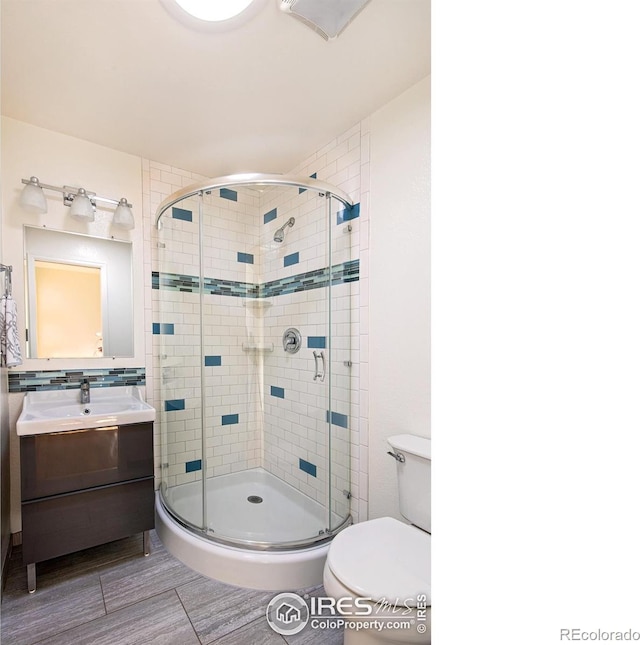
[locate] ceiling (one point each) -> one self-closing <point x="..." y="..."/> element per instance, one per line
<point x="257" y="98"/>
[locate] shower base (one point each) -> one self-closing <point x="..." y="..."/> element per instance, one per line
<point x="234" y="512"/>
<point x="250" y="505"/>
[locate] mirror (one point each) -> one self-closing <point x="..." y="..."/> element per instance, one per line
<point x="79" y="295"/>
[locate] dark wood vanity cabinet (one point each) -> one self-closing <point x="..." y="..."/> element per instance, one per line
<point x="81" y="488"/>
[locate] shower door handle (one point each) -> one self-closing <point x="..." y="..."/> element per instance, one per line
<point x="319" y="374"/>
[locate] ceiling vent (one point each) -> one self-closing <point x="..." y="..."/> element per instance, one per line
<point x="328" y="18"/>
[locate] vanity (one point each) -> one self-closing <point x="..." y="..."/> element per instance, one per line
<point x="86" y="471"/>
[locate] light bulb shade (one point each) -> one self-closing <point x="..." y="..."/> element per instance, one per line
<point x="123" y="217"/>
<point x="32" y="197"/>
<point x="82" y="208"/>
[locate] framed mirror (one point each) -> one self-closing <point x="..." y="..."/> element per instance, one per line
<point x="79" y="295"/>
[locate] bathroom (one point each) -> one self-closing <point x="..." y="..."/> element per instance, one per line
<point x="380" y="160"/>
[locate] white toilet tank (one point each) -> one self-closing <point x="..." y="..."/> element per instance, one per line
<point x="414" y="477"/>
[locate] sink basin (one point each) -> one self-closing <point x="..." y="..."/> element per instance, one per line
<point x="61" y="410"/>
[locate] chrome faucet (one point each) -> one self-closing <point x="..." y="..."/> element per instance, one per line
<point x="85" y="394"/>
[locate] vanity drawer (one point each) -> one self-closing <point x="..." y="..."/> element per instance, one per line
<point x="67" y="523"/>
<point x="76" y="460"/>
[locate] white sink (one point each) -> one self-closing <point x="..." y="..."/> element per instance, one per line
<point x="61" y="410"/>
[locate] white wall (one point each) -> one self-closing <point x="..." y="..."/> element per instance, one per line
<point x="59" y="160"/>
<point x="399" y="285"/>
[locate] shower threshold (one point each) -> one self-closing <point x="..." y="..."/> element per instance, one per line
<point x="283" y="516"/>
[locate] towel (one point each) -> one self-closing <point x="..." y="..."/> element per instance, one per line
<point x="9" y="343"/>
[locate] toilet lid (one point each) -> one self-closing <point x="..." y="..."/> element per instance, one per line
<point x="383" y="559"/>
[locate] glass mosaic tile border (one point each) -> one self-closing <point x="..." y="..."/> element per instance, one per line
<point x="40" y="380"/>
<point x="338" y="274"/>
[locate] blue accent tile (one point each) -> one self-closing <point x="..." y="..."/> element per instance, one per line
<point x="348" y="214"/>
<point x="247" y="258"/>
<point x="294" y="258"/>
<point x="174" y="404"/>
<point x="308" y="467"/>
<point x="229" y="419"/>
<point x="227" y="193"/>
<point x="277" y="391"/>
<point x="182" y="213"/>
<point x="314" y="176"/>
<point x="192" y="466"/>
<point x="163" y="328"/>
<point x="270" y="216"/>
<point x="212" y="361"/>
<point x="338" y="419"/>
<point x="317" y="342"/>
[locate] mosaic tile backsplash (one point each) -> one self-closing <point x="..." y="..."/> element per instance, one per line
<point x="40" y="380"/>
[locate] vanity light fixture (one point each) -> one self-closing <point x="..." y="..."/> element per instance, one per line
<point x="32" y="198"/>
<point x="81" y="207"/>
<point x="82" y="203"/>
<point x="123" y="217"/>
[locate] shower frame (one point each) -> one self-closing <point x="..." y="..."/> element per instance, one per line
<point x="253" y="180"/>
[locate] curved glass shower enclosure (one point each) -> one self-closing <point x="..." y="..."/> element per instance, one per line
<point x="253" y="338"/>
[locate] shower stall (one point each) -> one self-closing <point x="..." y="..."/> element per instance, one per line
<point x="252" y="338"/>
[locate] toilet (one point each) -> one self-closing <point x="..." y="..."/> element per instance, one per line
<point x="382" y="567"/>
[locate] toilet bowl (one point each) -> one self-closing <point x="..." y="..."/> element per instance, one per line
<point x="386" y="565"/>
<point x="383" y="566"/>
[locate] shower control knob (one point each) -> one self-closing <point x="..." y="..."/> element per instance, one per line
<point x="291" y="340"/>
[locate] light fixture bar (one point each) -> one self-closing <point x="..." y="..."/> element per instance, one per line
<point x="69" y="192"/>
<point x="82" y="203"/>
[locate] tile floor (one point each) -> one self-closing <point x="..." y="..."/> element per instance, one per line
<point x="112" y="595"/>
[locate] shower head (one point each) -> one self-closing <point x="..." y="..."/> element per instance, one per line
<point x="278" y="236"/>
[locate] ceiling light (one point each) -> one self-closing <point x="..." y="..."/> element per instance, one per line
<point x="32" y="197"/>
<point x="213" y="16"/>
<point x="213" y="11"/>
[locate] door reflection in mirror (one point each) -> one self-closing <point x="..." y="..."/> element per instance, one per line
<point x="79" y="295"/>
<point x="69" y="299"/>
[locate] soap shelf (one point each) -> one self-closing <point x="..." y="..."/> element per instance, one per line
<point x="259" y="306"/>
<point x="255" y="347"/>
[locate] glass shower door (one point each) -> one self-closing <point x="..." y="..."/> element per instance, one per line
<point x="342" y="416"/>
<point x="231" y="363"/>
<point x="176" y="337"/>
<point x="296" y="373"/>
<point x="253" y="333"/>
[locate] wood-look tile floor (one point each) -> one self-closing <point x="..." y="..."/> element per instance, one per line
<point x="113" y="595"/>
